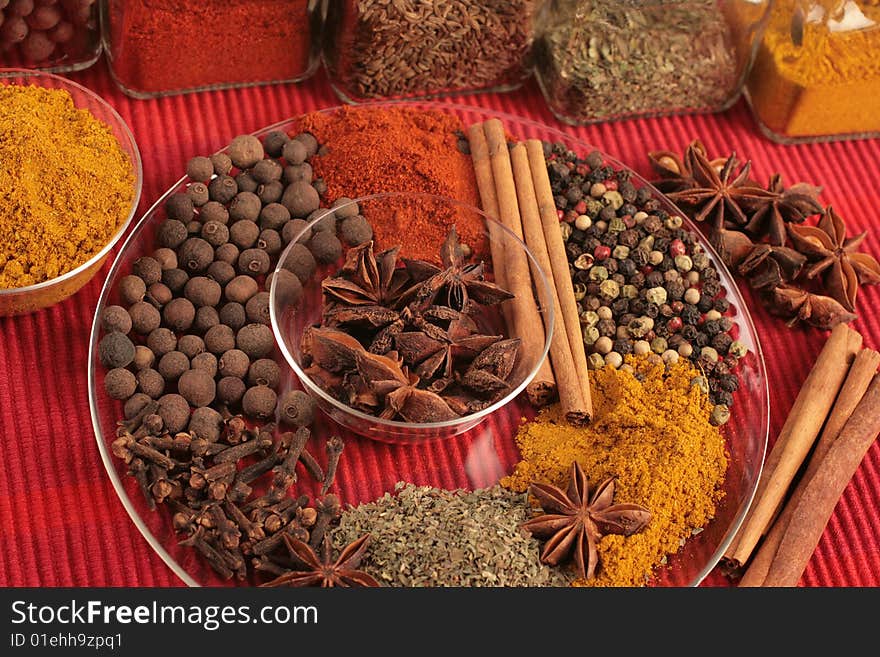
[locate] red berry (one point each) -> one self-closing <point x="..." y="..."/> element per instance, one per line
<point x="581" y="207"/>
<point x="647" y="269"/>
<point x="602" y="252"/>
<point x="674" y="324"/>
<point x="677" y="248"/>
<point x="611" y="185"/>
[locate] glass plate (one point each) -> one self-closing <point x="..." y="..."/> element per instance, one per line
<point x="474" y="459"/>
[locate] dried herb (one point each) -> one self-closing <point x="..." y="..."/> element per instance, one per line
<point x="574" y="522"/>
<point x="424" y="536"/>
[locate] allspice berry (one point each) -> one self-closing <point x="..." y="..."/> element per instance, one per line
<point x="222" y="163"/>
<point x="200" y="169"/>
<point x="300" y="262"/>
<point x="233" y="315"/>
<point x="245" y="205"/>
<point x="171" y="234"/>
<point x="259" y="401"/>
<point x="143" y="357"/>
<point x="356" y="230"/>
<point x="135" y="404"/>
<point x="179" y="314"/>
<point x="245" y="151"/>
<point x="204" y="361"/>
<point x="132" y="289"/>
<point x="174" y="411"/>
<point x="264" y="372"/>
<point x="222" y="189"/>
<point x="227" y="253"/>
<point x="244" y="233"/>
<point x="151" y="382"/>
<point x="161" y="341"/>
<point x="197" y="387"/>
<point x="326" y="247"/>
<point x="270" y="241"/>
<point x="297" y="173"/>
<point x="234" y="363"/>
<point x="206" y="317"/>
<point x="257" y="309"/>
<point x="220" y="271"/>
<point x="256" y="340"/>
<point x="344" y="208"/>
<point x="274" y="216"/>
<point x="195" y="255"/>
<point x="120" y="383"/>
<point x="145" y="317"/>
<point x="230" y="390"/>
<point x="266" y="171"/>
<point x="255" y="262"/>
<point x="147" y="269"/>
<point x="219" y="339"/>
<point x="179" y="206"/>
<point x="172" y="365"/>
<point x="322" y="219"/>
<point x="115" y="319"/>
<point x="308" y="140"/>
<point x="214" y="211"/>
<point x="297" y="408"/>
<point x="174" y="279"/>
<point x="214" y="233"/>
<point x="115" y="350"/>
<point x="273" y="143"/>
<point x="166" y="257"/>
<point x="294" y="152"/>
<point x="241" y="288"/>
<point x="159" y="294"/>
<point x="270" y="192"/>
<point x="190" y="345"/>
<point x="301" y="199"/>
<point x="246" y="182"/>
<point x="202" y="291"/>
<point x="288" y="289"/>
<point x="205" y="423"/>
<point x="199" y="194"/>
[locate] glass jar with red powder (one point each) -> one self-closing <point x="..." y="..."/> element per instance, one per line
<point x="163" y="47"/>
<point x="50" y="35"/>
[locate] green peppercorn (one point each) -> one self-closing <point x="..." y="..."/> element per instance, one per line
<point x="720" y="415"/>
<point x="595" y="361"/>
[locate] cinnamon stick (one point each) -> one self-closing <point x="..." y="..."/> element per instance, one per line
<point x="824" y="490"/>
<point x="489" y="200"/>
<point x="559" y="268"/>
<point x="798" y="434"/>
<point x="568" y="386"/>
<point x="528" y="325"/>
<point x="860" y="375"/>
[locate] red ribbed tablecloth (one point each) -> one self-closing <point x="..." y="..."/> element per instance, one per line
<point x="60" y="520"/>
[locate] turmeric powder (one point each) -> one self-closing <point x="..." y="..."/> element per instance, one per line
<point x="66" y="185"/>
<point x="651" y="431"/>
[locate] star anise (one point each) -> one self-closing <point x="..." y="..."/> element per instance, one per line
<point x="832" y="254"/>
<point x="574" y="522"/>
<point x="793" y="204"/>
<point x="325" y="571"/>
<point x="724" y="195"/>
<point x="796" y="304"/>
<point x="675" y="174"/>
<point x="769" y="266"/>
<point x="367" y="278"/>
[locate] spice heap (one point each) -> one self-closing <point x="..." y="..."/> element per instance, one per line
<point x="603" y="59"/>
<point x="810" y="273"/>
<point x="423" y="536"/>
<point x="652" y="434"/>
<point x="815" y="72"/>
<point x="66" y="184"/>
<point x="369" y="150"/>
<point x="158" y="46"/>
<point x="189" y="350"/>
<point x="410" y="342"/>
<point x="48" y="32"/>
<point x="840" y="398"/>
<point x="643" y="282"/>
<point x="426" y="47"/>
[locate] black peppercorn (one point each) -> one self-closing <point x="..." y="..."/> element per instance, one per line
<point x="721" y="343"/>
<point x="701" y="340"/>
<point x="233" y="315"/>
<point x="172" y="365"/>
<point x="705" y="303"/>
<point x="256" y="340"/>
<point x="120" y="383"/>
<point x="145" y="317"/>
<point x="115" y="350"/>
<point x="174" y="411"/>
<point x="230" y="390"/>
<point x="264" y="372"/>
<point x="233" y="363"/>
<point x="711" y="288"/>
<point x="607" y="327"/>
<point x="623" y="346"/>
<point x="259" y="401"/>
<point x="594" y="160"/>
<point x="722" y="397"/>
<point x="721" y="304"/>
<point x="195" y="254"/>
<point x="179" y="314"/>
<point x="607" y="213"/>
<point x="161" y="341"/>
<point x="214" y="211"/>
<point x="711" y="327"/>
<point x="222" y="189"/>
<point x="690" y="314"/>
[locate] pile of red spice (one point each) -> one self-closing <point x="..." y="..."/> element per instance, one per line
<point x="172" y="45"/>
<point x="371" y="150"/>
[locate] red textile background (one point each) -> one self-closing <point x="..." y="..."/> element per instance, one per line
<point x="60" y="519"/>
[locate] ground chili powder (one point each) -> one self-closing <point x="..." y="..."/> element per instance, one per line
<point x="370" y="150"/>
<point x="161" y="46"/>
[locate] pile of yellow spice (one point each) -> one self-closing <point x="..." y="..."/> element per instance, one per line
<point x="66" y="185"/>
<point x="650" y="431"/>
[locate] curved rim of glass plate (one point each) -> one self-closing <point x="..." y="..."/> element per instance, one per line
<point x="137" y="170"/>
<point x="753" y="343"/>
<point x="548" y="317"/>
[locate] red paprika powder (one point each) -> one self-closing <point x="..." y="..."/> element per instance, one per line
<point x="371" y="150"/>
<point x="167" y="46"/>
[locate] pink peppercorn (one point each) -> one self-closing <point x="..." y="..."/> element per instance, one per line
<point x="602" y="252"/>
<point x="677" y="248"/>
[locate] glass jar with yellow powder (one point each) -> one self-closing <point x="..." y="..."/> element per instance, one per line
<point x="816" y="74"/>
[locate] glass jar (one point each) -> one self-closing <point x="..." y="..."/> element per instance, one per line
<point x="817" y="73"/>
<point x="598" y="60"/>
<point x="426" y="48"/>
<point x="163" y="47"/>
<point x="50" y="35"/>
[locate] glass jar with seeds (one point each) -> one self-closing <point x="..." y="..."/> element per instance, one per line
<point x="599" y="60"/>
<point x="422" y="48"/>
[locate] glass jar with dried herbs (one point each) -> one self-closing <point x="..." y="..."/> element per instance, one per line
<point x="816" y="74"/>
<point x="598" y="60"/>
<point x="380" y="49"/>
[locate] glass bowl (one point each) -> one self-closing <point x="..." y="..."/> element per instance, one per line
<point x="290" y="320"/>
<point x="14" y="301"/>
<point x="475" y="458"/>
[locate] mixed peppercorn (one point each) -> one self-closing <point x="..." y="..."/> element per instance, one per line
<point x="643" y="282"/>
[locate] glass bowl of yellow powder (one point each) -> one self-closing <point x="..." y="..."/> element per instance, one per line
<point x="70" y="184"/>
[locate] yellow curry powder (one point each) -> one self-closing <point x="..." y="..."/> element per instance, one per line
<point x="66" y="185"/>
<point x="830" y="83"/>
<point x="651" y="431"/>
